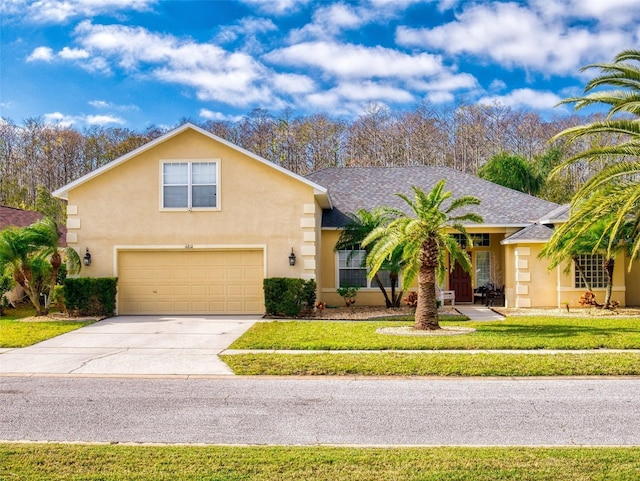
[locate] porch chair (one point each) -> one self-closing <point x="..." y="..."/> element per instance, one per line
<point x="443" y="295"/>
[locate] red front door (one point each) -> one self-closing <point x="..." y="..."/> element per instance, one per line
<point x="460" y="282"/>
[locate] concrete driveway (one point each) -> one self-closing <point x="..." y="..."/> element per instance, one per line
<point x="134" y="345"/>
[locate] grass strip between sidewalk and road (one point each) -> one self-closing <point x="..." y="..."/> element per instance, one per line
<point x="434" y="364"/>
<point x="75" y="462"/>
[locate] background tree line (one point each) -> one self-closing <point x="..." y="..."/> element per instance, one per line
<point x="37" y="157"/>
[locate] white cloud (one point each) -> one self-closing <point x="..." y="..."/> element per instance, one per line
<point x="100" y="104"/>
<point x="61" y="11"/>
<point x="103" y="120"/>
<point x="235" y="78"/>
<point x="59" y="118"/>
<point x="609" y="12"/>
<point x="524" y="98"/>
<point x="276" y="7"/>
<point x="329" y="21"/>
<point x="44" y="54"/>
<point x="349" y="97"/>
<point x="497" y="85"/>
<point x="293" y="83"/>
<point x="73" y="53"/>
<point x="247" y="29"/>
<point x="515" y="35"/>
<point x="355" y="61"/>
<point x="440" y="97"/>
<point x="218" y="116"/>
<point x="447" y="82"/>
<point x="103" y="104"/>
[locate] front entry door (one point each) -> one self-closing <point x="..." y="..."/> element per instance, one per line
<point x="460" y="282"/>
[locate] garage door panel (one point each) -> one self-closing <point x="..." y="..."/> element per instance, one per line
<point x="199" y="289"/>
<point x="197" y="282"/>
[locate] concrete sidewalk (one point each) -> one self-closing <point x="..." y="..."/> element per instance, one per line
<point x="478" y="313"/>
<point x="134" y="345"/>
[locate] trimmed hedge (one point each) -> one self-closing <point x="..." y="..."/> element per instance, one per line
<point x="91" y="296"/>
<point x="285" y="296"/>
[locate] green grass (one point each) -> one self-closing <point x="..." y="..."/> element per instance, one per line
<point x="53" y="462"/>
<point x="535" y="332"/>
<point x="15" y="333"/>
<point x="405" y="364"/>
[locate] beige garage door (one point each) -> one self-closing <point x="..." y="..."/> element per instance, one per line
<point x="190" y="282"/>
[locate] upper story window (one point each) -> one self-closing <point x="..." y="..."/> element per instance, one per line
<point x="593" y="268"/>
<point x="189" y="185"/>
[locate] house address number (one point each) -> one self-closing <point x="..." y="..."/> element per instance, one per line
<point x="188" y="246"/>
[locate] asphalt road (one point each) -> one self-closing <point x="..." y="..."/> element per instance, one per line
<point x="601" y="411"/>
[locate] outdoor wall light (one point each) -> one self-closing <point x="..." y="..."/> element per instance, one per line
<point x="87" y="258"/>
<point x="292" y="258"/>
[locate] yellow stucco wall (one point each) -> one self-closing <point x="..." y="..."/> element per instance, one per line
<point x="530" y="283"/>
<point x="258" y="206"/>
<point x="632" y="284"/>
<point x="568" y="293"/>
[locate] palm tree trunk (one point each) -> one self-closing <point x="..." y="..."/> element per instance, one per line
<point x="609" y="264"/>
<point x="384" y="291"/>
<point x="584" y="277"/>
<point x="426" y="310"/>
<point x="395" y="296"/>
<point x="56" y="262"/>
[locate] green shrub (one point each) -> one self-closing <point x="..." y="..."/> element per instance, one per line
<point x="285" y="296"/>
<point x="6" y="285"/>
<point x="348" y="293"/>
<point x="91" y="296"/>
<point x="58" y="298"/>
<point x="309" y="293"/>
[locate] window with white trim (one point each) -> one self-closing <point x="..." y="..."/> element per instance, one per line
<point x="483" y="268"/>
<point x="479" y="240"/>
<point x="189" y="185"/>
<point x="352" y="270"/>
<point x="593" y="267"/>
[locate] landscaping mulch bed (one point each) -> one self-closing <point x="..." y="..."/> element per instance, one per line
<point x="573" y="312"/>
<point x="370" y="312"/>
<point x="60" y="317"/>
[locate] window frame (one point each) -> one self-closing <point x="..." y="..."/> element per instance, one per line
<point x="479" y="239"/>
<point x="476" y="266"/>
<point x="371" y="284"/>
<point x="190" y="184"/>
<point x="591" y="269"/>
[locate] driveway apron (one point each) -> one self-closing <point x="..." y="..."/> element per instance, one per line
<point x="134" y="345"/>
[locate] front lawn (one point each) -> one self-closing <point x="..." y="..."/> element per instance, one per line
<point x="518" y="332"/>
<point x="18" y="328"/>
<point x="74" y="462"/>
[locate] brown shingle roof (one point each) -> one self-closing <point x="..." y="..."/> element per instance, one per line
<point x="357" y="188"/>
<point x="11" y="216"/>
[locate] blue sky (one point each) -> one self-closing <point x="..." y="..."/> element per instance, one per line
<point x="135" y="63"/>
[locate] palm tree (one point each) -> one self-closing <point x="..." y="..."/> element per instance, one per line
<point x="32" y="256"/>
<point x="15" y="261"/>
<point x="613" y="192"/>
<point x="359" y="226"/>
<point x="425" y="240"/>
<point x="45" y="236"/>
<point x="566" y="245"/>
